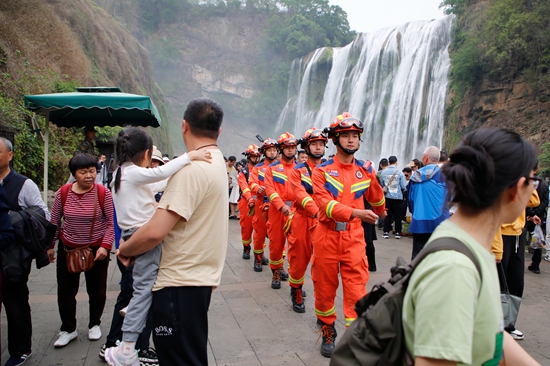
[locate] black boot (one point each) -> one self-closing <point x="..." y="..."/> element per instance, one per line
<point x="297" y="300"/>
<point x="284" y="275"/>
<point x="246" y="251"/>
<point x="303" y="293"/>
<point x="265" y="261"/>
<point x="258" y="262"/>
<point x="328" y="332"/>
<point x="276" y="279"/>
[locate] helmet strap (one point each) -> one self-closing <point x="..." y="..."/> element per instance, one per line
<point x="314" y="156"/>
<point x="346" y="151"/>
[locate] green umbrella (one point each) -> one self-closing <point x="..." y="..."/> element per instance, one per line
<point x="92" y="106"/>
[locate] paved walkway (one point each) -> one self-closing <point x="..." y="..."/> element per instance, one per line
<point x="251" y="324"/>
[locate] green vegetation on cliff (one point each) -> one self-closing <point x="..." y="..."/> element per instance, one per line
<point x="501" y="39"/>
<point x="288" y="29"/>
<point x="78" y="45"/>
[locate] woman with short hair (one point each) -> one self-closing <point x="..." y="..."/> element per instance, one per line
<point x="88" y="219"/>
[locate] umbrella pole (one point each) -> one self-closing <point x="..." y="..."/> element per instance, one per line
<point x="46" y="151"/>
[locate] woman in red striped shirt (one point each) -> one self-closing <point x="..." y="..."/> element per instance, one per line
<point x="77" y="210"/>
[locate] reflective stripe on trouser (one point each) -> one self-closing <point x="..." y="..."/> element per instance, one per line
<point x="245" y="221"/>
<point x="299" y="248"/>
<point x="276" y="237"/>
<point x="260" y="228"/>
<point x="335" y="251"/>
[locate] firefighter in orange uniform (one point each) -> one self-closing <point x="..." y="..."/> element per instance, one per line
<point x="247" y="202"/>
<point x="339" y="186"/>
<point x="280" y="193"/>
<point x="257" y="186"/>
<point x="305" y="217"/>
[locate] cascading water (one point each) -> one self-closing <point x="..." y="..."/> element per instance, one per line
<point x="394" y="80"/>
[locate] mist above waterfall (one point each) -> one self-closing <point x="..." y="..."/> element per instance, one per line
<point x="394" y="80"/>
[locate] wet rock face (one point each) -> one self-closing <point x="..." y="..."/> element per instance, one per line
<point x="515" y="104"/>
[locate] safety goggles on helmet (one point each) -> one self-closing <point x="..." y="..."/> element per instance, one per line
<point x="267" y="144"/>
<point x="313" y="134"/>
<point x="345" y="122"/>
<point x="252" y="150"/>
<point x="287" y="139"/>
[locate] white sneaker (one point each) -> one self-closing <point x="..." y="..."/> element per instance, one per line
<point x="547" y="257"/>
<point x="398" y="236"/>
<point x="94" y="333"/>
<point x="386" y="235"/>
<point x="65" y="338"/>
<point x="517" y="335"/>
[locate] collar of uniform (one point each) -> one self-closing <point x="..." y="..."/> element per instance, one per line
<point x="344" y="166"/>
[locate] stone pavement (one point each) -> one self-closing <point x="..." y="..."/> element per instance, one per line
<point x="251" y="324"/>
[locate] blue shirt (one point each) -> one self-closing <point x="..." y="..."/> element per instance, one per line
<point x="396" y="184"/>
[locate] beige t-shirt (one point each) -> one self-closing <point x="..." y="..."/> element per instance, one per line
<point x="193" y="252"/>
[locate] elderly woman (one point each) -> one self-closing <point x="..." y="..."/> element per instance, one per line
<point x="87" y="210"/>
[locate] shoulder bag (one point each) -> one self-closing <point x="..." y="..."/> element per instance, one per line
<point x="82" y="259"/>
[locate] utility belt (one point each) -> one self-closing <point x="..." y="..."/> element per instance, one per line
<point x="343" y="226"/>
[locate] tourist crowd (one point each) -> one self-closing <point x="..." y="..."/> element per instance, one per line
<point x="315" y="212"/>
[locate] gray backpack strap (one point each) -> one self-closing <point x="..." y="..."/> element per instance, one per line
<point x="446" y="243"/>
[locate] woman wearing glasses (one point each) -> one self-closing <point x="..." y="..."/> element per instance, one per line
<point x="452" y="313"/>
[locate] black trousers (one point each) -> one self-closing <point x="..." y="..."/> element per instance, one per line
<point x="180" y="323"/>
<point x="67" y="288"/>
<point x="513" y="264"/>
<point x="395" y="211"/>
<point x="419" y="240"/>
<point x="122" y="300"/>
<point x="15" y="296"/>
<point x="370" y="237"/>
<point x="537" y="257"/>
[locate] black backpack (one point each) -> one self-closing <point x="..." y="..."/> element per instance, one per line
<point x="376" y="337"/>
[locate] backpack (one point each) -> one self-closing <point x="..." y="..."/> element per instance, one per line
<point x="100" y="194"/>
<point x="376" y="337"/>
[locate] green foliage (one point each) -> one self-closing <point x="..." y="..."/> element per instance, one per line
<point x="164" y="53"/>
<point x="544" y="160"/>
<point x="509" y="37"/>
<point x="305" y="26"/>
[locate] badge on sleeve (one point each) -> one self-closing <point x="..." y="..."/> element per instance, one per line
<point x="358" y="174"/>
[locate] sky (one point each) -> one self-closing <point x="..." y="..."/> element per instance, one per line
<point x="371" y="15"/>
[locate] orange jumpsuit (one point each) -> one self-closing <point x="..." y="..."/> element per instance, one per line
<point x="338" y="240"/>
<point x="279" y="190"/>
<point x="299" y="238"/>
<point x="244" y="219"/>
<point x="255" y="181"/>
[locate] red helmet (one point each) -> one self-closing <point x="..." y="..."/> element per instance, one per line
<point x="344" y="122"/>
<point x="252" y="150"/>
<point x="267" y="144"/>
<point x="313" y="134"/>
<point x="287" y="139"/>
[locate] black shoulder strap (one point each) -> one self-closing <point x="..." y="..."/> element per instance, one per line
<point x="446" y="243"/>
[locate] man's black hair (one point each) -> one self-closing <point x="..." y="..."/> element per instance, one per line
<point x="443" y="156"/>
<point x="384" y="162"/>
<point x="407" y="169"/>
<point x="204" y="116"/>
<point x="232" y="158"/>
<point x="392" y="159"/>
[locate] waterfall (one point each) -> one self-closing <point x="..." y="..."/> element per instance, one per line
<point x="394" y="80"/>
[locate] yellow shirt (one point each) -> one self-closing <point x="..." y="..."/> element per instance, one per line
<point x="193" y="252"/>
<point x="513" y="229"/>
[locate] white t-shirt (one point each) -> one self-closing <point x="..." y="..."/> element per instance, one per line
<point x="135" y="200"/>
<point x="193" y="252"/>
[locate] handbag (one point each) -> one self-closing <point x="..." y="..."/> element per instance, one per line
<point x="510" y="304"/>
<point x="81" y="259"/>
